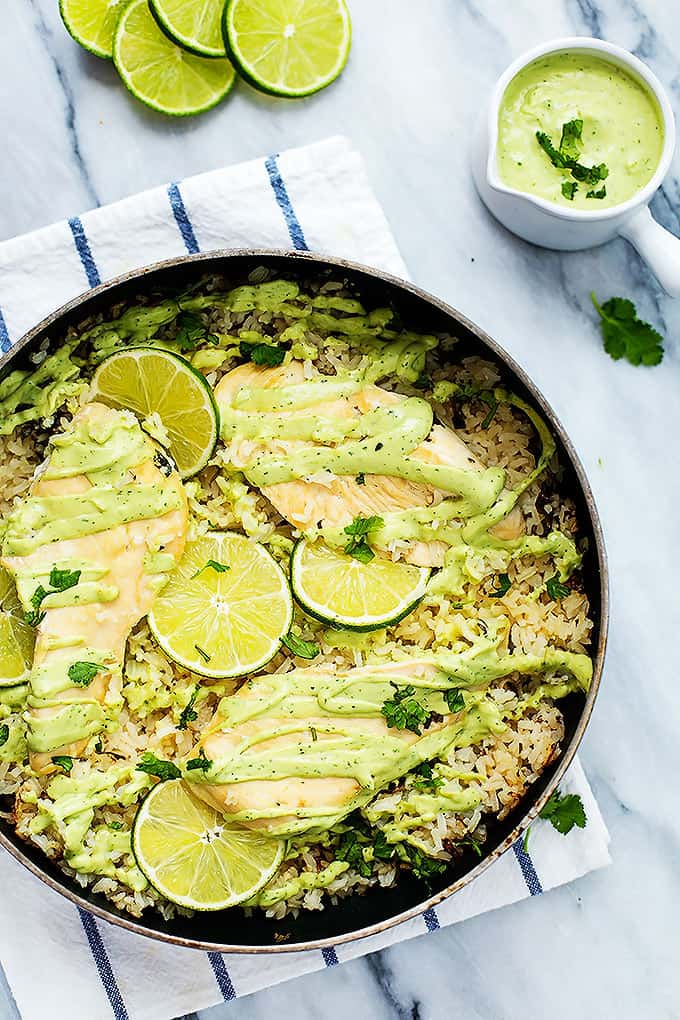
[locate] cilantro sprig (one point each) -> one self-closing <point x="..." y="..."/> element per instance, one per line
<point x="567" y="156"/>
<point x="358" y="530"/>
<point x="81" y="674"/>
<point x="627" y="336"/>
<point x="403" y="712"/>
<point x="564" y="811"/>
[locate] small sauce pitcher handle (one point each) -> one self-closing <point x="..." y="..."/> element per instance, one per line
<point x="657" y="246"/>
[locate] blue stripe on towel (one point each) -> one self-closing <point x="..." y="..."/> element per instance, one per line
<point x="285" y="205"/>
<point x="101" y="958"/>
<point x="83" y="249"/>
<point x="528" y="870"/>
<point x="5" y="342"/>
<point x="224" y="982"/>
<point x="330" y="957"/>
<point x="431" y="920"/>
<point x="182" y="219"/>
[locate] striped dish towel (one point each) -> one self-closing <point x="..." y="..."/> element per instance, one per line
<point x="316" y="198"/>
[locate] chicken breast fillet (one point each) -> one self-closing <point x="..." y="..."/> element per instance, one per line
<point x="119" y="525"/>
<point x="336" y="500"/>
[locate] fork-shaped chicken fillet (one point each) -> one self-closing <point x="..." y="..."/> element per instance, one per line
<point x="90" y="548"/>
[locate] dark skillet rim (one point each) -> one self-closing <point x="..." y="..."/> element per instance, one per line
<point x="299" y="257"/>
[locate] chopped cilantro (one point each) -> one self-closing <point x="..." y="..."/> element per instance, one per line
<point x="4" y="734"/>
<point x="555" y="589"/>
<point x="504" y="585"/>
<point x="154" y="766"/>
<point x="116" y="826"/>
<point x="60" y="580"/>
<point x="571" y="140"/>
<point x="564" y="812"/>
<point x="382" y="850"/>
<point x="204" y="655"/>
<point x="262" y="354"/>
<point x="81" y="674"/>
<point x="350" y="849"/>
<point x="454" y="699"/>
<point x="303" y="649"/>
<point x="602" y="193"/>
<point x="219" y="568"/>
<point x="424" y="867"/>
<point x="201" y="762"/>
<point x="555" y="156"/>
<point x="65" y="761"/>
<point x="589" y="174"/>
<point x="192" y="332"/>
<point x="569" y="189"/>
<point x="473" y="843"/>
<point x="358" y="546"/>
<point x="425" y="780"/>
<point x="188" y="714"/>
<point x="360" y="478"/>
<point x="403" y="712"/>
<point x="626" y="336"/>
<point x="566" y="157"/>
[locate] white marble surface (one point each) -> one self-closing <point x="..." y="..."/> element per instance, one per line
<point x="609" y="946"/>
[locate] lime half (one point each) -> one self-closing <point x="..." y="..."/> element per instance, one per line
<point x="225" y="609"/>
<point x="288" y="47"/>
<point x="16" y="636"/>
<point x="194" y="24"/>
<point x="338" y="589"/>
<point x="193" y="857"/>
<point x="146" y="380"/>
<point x="161" y="74"/>
<point x="92" y="23"/>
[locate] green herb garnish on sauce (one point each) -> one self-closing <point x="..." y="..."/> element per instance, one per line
<point x="60" y="580"/>
<point x="201" y="762"/>
<point x="569" y="189"/>
<point x="566" y="158"/>
<point x="403" y="712"/>
<point x="425" y="780"/>
<point x="81" y="674"/>
<point x="454" y="699"/>
<point x="358" y="546"/>
<point x="626" y="336"/>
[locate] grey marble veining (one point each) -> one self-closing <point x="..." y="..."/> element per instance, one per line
<point x="608" y="946"/>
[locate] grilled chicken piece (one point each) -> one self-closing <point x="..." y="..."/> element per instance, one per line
<point x="118" y="558"/>
<point x="335" y="502"/>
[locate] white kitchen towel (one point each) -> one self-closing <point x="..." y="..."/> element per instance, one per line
<point x="61" y="961"/>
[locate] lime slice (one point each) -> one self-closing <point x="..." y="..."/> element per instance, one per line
<point x="161" y="74"/>
<point x="92" y="23"/>
<point x="194" y="24"/>
<point x="147" y="380"/>
<point x="288" y="47"/>
<point x="16" y="637"/>
<point x="193" y="857"/>
<point x="358" y="596"/>
<point x="223" y="622"/>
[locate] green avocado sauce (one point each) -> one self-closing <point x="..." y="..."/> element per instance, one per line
<point x="337" y="746"/>
<point x="622" y="128"/>
<point x="106" y="453"/>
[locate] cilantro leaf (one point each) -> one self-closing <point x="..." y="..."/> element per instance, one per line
<point x="426" y="780"/>
<point x="219" y="568"/>
<point x="60" y="580"/>
<point x="602" y="193"/>
<point x="188" y="714"/>
<point x="81" y="674"/>
<point x="350" y="849"/>
<point x="454" y="699"/>
<point x="504" y="586"/>
<point x="154" y="766"/>
<point x="555" y="589"/>
<point x="554" y="155"/>
<point x="65" y="761"/>
<point x="569" y="189"/>
<point x="358" y="546"/>
<point x="4" y="734"/>
<point x="424" y="867"/>
<point x="201" y="762"/>
<point x="403" y="712"/>
<point x="625" y="335"/>
<point x="571" y="140"/>
<point x="382" y="850"/>
<point x="564" y="812"/>
<point x="589" y="174"/>
<point x="192" y="331"/>
<point x="262" y="354"/>
<point x="299" y="647"/>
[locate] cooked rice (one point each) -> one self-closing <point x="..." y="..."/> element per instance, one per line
<point x="500" y="769"/>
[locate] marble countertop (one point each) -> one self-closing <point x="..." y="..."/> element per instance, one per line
<point x="608" y="945"/>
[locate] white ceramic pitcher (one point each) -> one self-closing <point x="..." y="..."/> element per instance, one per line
<point x="553" y="226"/>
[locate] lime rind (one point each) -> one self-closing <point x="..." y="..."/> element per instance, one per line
<point x="161" y="74"/>
<point x="180" y="38"/>
<point x="334" y="615"/>
<point x="16" y="636"/>
<point x="247" y="71"/>
<point x="238" y="847"/>
<point x="100" y="389"/>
